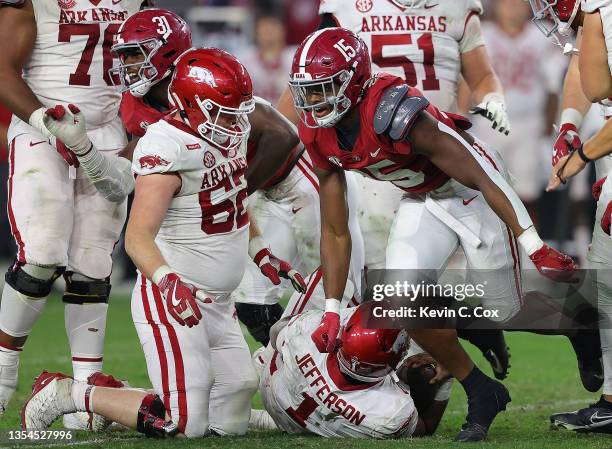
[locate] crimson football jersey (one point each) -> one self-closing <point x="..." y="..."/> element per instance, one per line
<point x="138" y="115"/>
<point x="377" y="156"/>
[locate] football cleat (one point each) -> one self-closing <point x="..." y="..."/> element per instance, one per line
<point x="51" y="398"/>
<point x="93" y="421"/>
<point x="482" y="410"/>
<point x="595" y="418"/>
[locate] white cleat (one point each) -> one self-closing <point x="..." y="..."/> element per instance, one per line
<point x="51" y="398"/>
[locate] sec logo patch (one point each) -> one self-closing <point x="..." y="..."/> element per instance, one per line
<point x="209" y="160"/>
<point x="364" y="5"/>
<point x="66" y="4"/>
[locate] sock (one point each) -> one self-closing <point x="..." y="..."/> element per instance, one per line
<point x="19" y="312"/>
<point x="9" y="369"/>
<point x="85" y="326"/>
<point x="474" y="381"/>
<point x="82" y="395"/>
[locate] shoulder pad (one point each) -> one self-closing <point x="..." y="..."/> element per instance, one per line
<point x="13" y="3"/>
<point x="396" y="112"/>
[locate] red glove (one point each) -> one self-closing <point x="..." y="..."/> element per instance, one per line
<point x="326" y="335"/>
<point x="272" y="267"/>
<point x="605" y="220"/>
<point x="567" y="141"/>
<point x="554" y="265"/>
<point x="181" y="299"/>
<point x="596" y="189"/>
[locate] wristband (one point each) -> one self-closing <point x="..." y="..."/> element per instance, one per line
<point x="530" y="241"/>
<point x="332" y="305"/>
<point x="571" y="115"/>
<point x="159" y="274"/>
<point x="583" y="156"/>
<point x="444" y="391"/>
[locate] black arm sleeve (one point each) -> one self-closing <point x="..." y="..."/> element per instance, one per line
<point x="328" y="21"/>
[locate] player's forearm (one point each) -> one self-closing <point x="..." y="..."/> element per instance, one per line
<point x="573" y="96"/>
<point x="140" y="246"/>
<point x="489" y="83"/>
<point x="16" y="95"/>
<point x="600" y="144"/>
<point x="113" y="178"/>
<point x="335" y="260"/>
<point x="595" y="74"/>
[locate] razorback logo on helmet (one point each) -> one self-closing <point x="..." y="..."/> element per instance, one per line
<point x="202" y="75"/>
<point x="152" y="161"/>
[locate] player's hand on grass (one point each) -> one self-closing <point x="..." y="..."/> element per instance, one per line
<point x="325" y="336"/>
<point x="180" y="299"/>
<point x="272" y="267"/>
<point x="69" y="127"/>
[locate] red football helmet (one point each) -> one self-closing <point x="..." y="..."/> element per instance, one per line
<point x="213" y="93"/>
<point x="330" y="69"/>
<point x="554" y="16"/>
<point x="369" y="355"/>
<point x="156" y="37"/>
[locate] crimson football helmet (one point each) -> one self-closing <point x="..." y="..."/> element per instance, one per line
<point x="554" y="17"/>
<point x="158" y="37"/>
<point x="213" y="93"/>
<point x="369" y="355"/>
<point x="330" y="69"/>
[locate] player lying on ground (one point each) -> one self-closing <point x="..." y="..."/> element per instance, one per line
<point x="389" y="132"/>
<point x="353" y="391"/>
<point x="596" y="82"/>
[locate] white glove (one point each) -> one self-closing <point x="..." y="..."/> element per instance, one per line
<point x="68" y="127"/>
<point x="493" y="107"/>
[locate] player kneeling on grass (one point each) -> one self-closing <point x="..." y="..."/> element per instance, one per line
<point x="188" y="235"/>
<point x="354" y="390"/>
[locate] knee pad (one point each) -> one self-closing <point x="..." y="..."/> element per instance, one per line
<point x="152" y="418"/>
<point x="85" y="291"/>
<point x="28" y="285"/>
<point x="259" y="318"/>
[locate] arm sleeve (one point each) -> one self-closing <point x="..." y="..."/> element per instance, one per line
<point x="472" y="33"/>
<point x="111" y="176"/>
<point x="155" y="153"/>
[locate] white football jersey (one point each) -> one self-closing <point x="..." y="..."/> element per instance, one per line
<point x="204" y="236"/>
<point x="71" y="55"/>
<point x="304" y="391"/>
<point x="422" y="45"/>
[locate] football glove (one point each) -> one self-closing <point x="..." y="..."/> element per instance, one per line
<point x="596" y="189"/>
<point x="181" y="299"/>
<point x="326" y="335"/>
<point x="68" y="127"/>
<point x="607" y="217"/>
<point x="272" y="267"/>
<point x="493" y="108"/>
<point x="554" y="264"/>
<point x="37" y="121"/>
<point x="566" y="142"/>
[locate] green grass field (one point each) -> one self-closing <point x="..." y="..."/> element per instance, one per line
<point x="543" y="379"/>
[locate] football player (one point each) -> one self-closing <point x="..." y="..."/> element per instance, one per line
<point x="188" y="236"/>
<point x="59" y="52"/>
<point x="388" y="131"/>
<point x="594" y="79"/>
<point x="430" y="44"/>
<point x="147" y="45"/>
<point x="348" y="392"/>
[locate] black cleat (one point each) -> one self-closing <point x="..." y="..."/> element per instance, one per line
<point x="595" y="418"/>
<point x="482" y="410"/>
<point x="587" y="347"/>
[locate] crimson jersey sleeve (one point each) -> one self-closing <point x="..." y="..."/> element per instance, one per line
<point x="308" y="137"/>
<point x="136" y="115"/>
